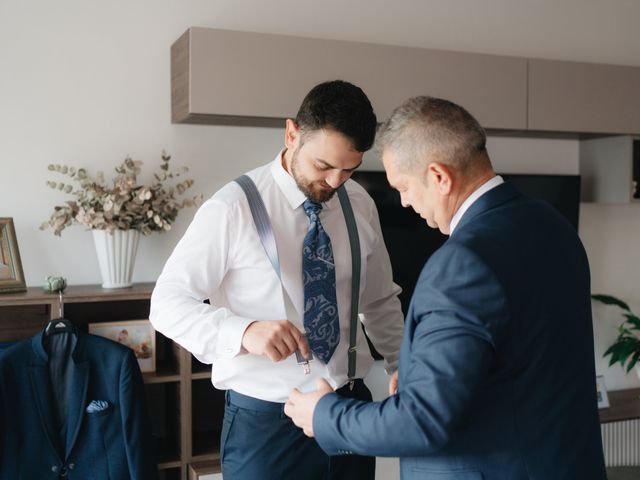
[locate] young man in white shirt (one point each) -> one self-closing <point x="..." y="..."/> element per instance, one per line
<point x="254" y="322"/>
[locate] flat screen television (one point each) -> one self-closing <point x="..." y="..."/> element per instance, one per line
<point x="409" y="239"/>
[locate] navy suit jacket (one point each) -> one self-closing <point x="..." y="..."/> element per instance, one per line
<point x="113" y="443"/>
<point x="496" y="376"/>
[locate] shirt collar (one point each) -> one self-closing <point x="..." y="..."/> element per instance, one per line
<point x="471" y="199"/>
<point x="290" y="189"/>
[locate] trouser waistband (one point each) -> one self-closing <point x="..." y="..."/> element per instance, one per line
<point x="244" y="401"/>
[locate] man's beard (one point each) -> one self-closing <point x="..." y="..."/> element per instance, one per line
<point x="312" y="190"/>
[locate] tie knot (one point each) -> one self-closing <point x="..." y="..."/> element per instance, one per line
<point x="311" y="208"/>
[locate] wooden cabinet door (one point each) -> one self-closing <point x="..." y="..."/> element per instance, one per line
<point x="583" y="97"/>
<point x="221" y="76"/>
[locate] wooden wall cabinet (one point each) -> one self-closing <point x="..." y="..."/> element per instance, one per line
<point x="583" y="97"/>
<point x="186" y="411"/>
<point x="242" y="78"/>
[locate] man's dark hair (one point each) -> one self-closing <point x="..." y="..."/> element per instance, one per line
<point x="340" y="106"/>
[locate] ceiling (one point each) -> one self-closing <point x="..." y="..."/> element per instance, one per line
<point x="600" y="31"/>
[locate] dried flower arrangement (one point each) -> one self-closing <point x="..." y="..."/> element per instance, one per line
<point x="124" y="204"/>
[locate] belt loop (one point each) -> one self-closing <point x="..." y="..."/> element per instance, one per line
<point x="226" y="398"/>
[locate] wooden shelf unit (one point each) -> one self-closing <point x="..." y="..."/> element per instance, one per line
<point x="624" y="405"/>
<point x="186" y="411"/>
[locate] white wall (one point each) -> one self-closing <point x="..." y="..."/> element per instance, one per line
<point x="87" y="83"/>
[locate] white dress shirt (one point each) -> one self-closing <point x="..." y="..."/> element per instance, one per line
<point x="471" y="199"/>
<point x="220" y="258"/>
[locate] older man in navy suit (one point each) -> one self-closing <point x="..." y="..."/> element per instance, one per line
<point x="496" y="377"/>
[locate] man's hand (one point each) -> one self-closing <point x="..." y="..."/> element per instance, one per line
<point x="276" y="339"/>
<point x="393" y="383"/>
<point x="300" y="406"/>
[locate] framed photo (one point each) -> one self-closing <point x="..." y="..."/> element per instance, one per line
<point x="138" y="335"/>
<point x="11" y="275"/>
<point x="603" y="398"/>
<point x="208" y="470"/>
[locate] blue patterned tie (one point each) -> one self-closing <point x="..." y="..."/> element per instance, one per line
<point x="321" y="320"/>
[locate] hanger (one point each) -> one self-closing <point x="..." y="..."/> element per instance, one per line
<point x="60" y="324"/>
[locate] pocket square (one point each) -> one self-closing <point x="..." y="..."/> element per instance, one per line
<point x="97" y="406"/>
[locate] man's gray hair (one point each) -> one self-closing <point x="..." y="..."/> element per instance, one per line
<point x="426" y="129"/>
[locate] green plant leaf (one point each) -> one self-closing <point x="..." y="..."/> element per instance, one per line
<point x="629" y="346"/>
<point x="634" y="360"/>
<point x="614" y="351"/>
<point x="633" y="320"/>
<point x="609" y="300"/>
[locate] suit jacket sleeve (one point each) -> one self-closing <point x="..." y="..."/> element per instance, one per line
<point x="135" y="422"/>
<point x="457" y="318"/>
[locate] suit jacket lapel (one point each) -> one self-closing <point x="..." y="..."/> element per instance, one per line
<point x="77" y="403"/>
<point x="41" y="386"/>
<point x="43" y="394"/>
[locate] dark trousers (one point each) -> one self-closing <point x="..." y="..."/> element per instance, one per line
<point x="259" y="442"/>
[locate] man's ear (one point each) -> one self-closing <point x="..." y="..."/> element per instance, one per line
<point x="291" y="134"/>
<point x="441" y="176"/>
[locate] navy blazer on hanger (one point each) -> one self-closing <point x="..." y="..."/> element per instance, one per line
<point x="106" y="434"/>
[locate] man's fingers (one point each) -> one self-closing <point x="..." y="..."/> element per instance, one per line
<point x="290" y="404"/>
<point x="393" y="383"/>
<point x="294" y="396"/>
<point x="273" y="353"/>
<point x="323" y="386"/>
<point x="275" y="339"/>
<point x="289" y="343"/>
<point x="303" y="346"/>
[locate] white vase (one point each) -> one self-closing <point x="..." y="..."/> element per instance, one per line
<point x="116" y="256"/>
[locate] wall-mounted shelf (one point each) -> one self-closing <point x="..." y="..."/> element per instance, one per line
<point x="244" y="78"/>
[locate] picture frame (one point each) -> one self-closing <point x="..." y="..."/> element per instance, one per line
<point x="138" y="335"/>
<point x="11" y="274"/>
<point x="601" y="390"/>
<point x="206" y="470"/>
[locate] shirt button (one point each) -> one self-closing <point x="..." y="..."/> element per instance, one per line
<point x="54" y="468"/>
<point x="72" y="466"/>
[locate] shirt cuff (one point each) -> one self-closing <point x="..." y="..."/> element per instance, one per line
<point x="230" y="336"/>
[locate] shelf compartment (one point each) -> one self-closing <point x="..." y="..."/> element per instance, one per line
<point x="164" y="413"/>
<point x="20" y="322"/>
<point x="81" y="314"/>
<point x="198" y="367"/>
<point x="203" y="469"/>
<point x="206" y="425"/>
<point x="167" y="361"/>
<point x="174" y="473"/>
